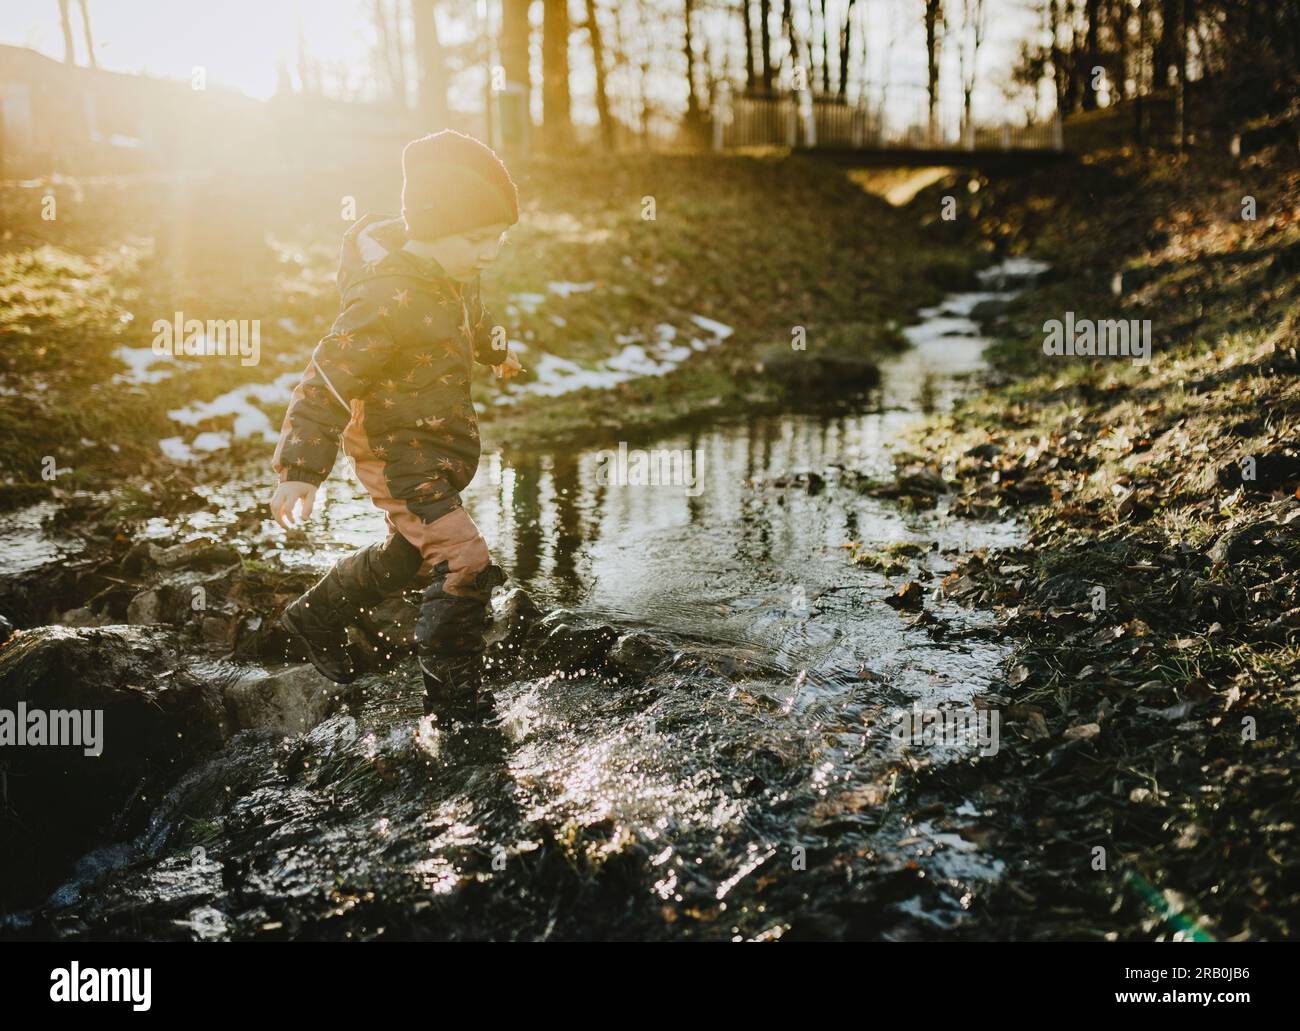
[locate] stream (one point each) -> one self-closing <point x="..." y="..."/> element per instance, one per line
<point x="741" y="788"/>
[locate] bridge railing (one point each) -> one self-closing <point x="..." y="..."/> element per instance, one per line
<point x="802" y="120"/>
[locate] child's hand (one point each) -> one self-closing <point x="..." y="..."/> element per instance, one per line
<point x="286" y="499"/>
<point x="509" y="367"/>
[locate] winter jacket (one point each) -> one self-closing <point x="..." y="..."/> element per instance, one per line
<point x="394" y="370"/>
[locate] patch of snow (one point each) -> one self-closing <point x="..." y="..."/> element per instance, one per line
<point x="563" y="289"/>
<point x="718" y="329"/>
<point x="211" y="441"/>
<point x="249" y="420"/>
<point x="138" y="361"/>
<point x="176" y="449"/>
<point x="527" y="303"/>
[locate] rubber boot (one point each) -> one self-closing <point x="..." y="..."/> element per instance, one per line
<point x="449" y="646"/>
<point x="319" y="618"/>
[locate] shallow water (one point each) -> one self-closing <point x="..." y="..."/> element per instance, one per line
<point x="681" y="803"/>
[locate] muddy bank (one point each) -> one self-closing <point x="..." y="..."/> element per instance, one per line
<point x="1147" y="783"/>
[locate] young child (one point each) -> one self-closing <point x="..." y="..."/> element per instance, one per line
<point x="392" y="377"/>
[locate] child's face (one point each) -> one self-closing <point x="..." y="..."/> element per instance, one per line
<point x="465" y="255"/>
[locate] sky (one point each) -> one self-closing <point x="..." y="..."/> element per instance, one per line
<point x="238" y="42"/>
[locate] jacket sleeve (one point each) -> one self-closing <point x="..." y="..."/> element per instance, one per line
<point x="343" y="367"/>
<point x="482" y="327"/>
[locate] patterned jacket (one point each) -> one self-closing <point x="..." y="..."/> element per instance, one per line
<point x="394" y="370"/>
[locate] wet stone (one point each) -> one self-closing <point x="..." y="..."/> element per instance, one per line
<point x="291" y="700"/>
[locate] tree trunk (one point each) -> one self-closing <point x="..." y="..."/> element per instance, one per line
<point x="90" y="40"/>
<point x="598" y="59"/>
<point x="430" y="66"/>
<point x="750" y="73"/>
<point x="692" y="96"/>
<point x="933" y="28"/>
<point x="1091" y="55"/>
<point x="384" y="69"/>
<point x="1180" y="98"/>
<point x="401" y="82"/>
<point x="765" y="37"/>
<point x="1119" y="15"/>
<point x="514" y="42"/>
<point x="846" y="37"/>
<point x="557" y="122"/>
<point x="65" y="22"/>
<point x="1167" y="46"/>
<point x="826" y="54"/>
<point x="792" y="41"/>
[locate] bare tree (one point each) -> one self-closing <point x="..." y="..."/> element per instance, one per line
<point x="515" y="32"/>
<point x="826" y="53"/>
<point x="692" y="94"/>
<point x="65" y="22"/>
<point x="792" y="42"/>
<point x="401" y="83"/>
<point x="430" y="65"/>
<point x="556" y="108"/>
<point x="974" y="22"/>
<point x="934" y="25"/>
<point x="1091" y="52"/>
<point x="385" y="72"/>
<point x="765" y="39"/>
<point x="90" y="40"/>
<point x="602" y="94"/>
<point x="846" y="38"/>
<point x="745" y="17"/>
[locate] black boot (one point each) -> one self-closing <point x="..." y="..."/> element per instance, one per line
<point x="453" y="686"/>
<point x="320" y="618"/>
<point x="449" y="646"/>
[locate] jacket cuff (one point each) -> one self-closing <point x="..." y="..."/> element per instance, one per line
<point x="301" y="476"/>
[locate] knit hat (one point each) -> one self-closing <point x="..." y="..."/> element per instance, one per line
<point x="452" y="183"/>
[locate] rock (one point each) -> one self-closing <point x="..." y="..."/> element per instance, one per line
<point x="137" y="559"/>
<point x="84" y="617"/>
<point x="39" y="594"/>
<point x="217" y="630"/>
<point x="819" y="375"/>
<point x="637" y="653"/>
<point x="145" y="607"/>
<point x="922" y="479"/>
<point x="151" y="714"/>
<point x="514" y="616"/>
<point x="984" y="452"/>
<point x="908" y="598"/>
<point x="196" y="554"/>
<point x="572" y="647"/>
<point x="988" y="311"/>
<point x="291" y="700"/>
<point x="1250" y="536"/>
